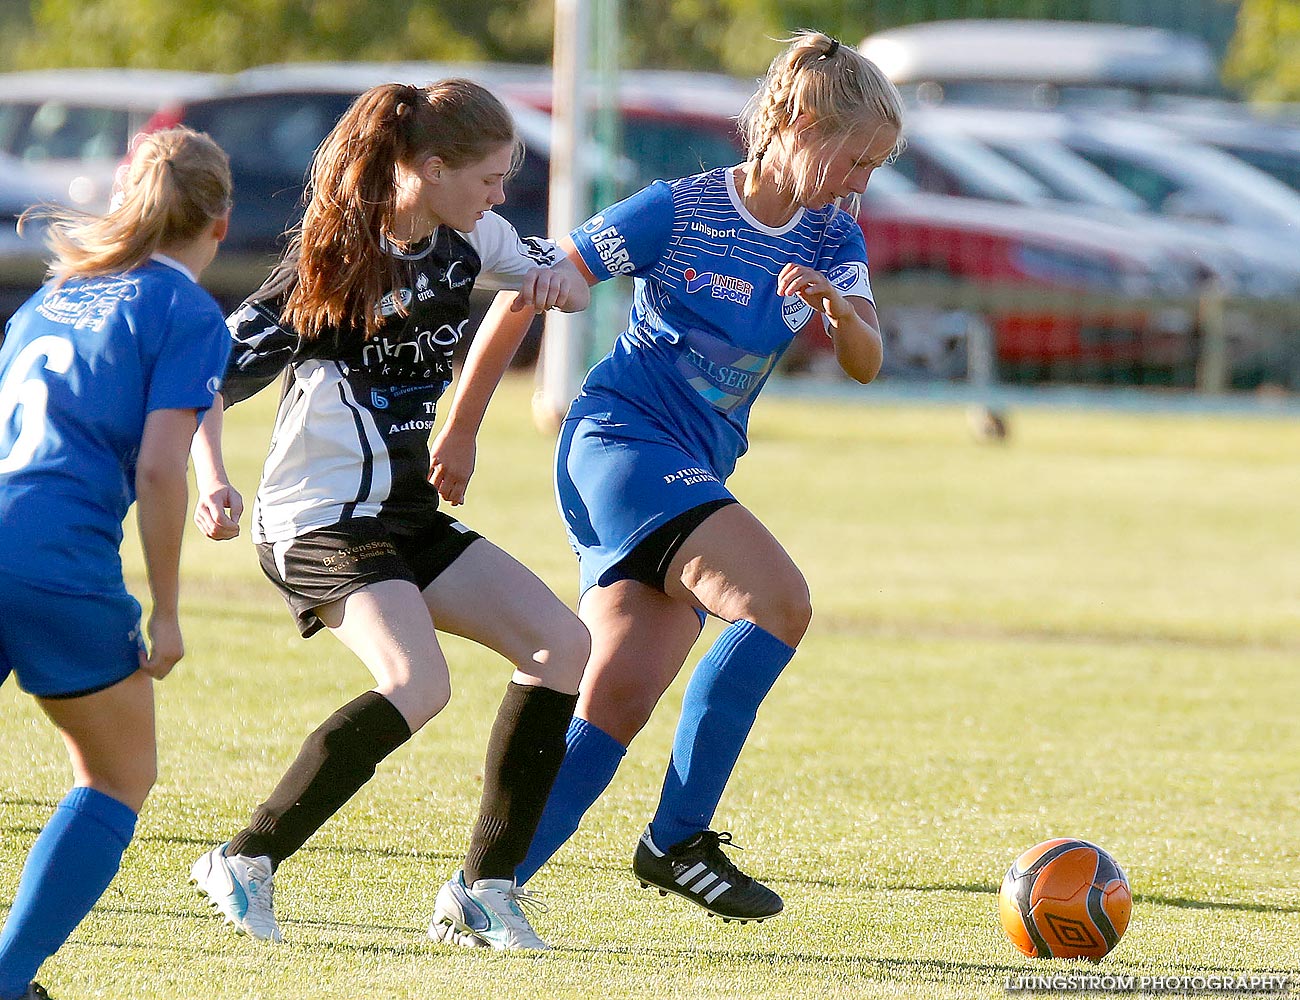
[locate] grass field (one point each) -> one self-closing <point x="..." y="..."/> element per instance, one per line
<point x="1093" y="631"/>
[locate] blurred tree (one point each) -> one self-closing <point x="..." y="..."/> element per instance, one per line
<point x="234" y="34"/>
<point x="735" y="36"/>
<point x="15" y="23"/>
<point x="1264" y="57"/>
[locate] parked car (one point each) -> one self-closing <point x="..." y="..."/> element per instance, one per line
<point x="1267" y="143"/>
<point x="1005" y="156"/>
<point x="74" y="124"/>
<point x="270" y="121"/>
<point x="1041" y="63"/>
<point x="22" y="262"/>
<point x="673" y="123"/>
<point x="1179" y="177"/>
<point x="1051" y="291"/>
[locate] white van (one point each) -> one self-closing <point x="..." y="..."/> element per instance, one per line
<point x="1041" y="62"/>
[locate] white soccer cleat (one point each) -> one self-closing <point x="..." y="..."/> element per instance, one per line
<point x="485" y="915"/>
<point x="241" y="890"/>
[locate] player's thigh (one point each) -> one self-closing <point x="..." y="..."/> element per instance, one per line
<point x="734" y="568"/>
<point x="110" y="738"/>
<point x="387" y="625"/>
<point x="640" y="638"/>
<point x="490" y="597"/>
<point x="617" y="483"/>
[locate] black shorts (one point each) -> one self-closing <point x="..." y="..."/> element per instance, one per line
<point x="648" y="562"/>
<point x="328" y="564"/>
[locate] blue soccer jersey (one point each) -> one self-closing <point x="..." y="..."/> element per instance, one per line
<point x="81" y="366"/>
<point x="707" y="325"/>
<point x="662" y="419"/>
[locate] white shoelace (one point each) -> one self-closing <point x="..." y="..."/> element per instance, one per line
<point x="528" y="899"/>
<point x="261" y="908"/>
<point x="512" y="913"/>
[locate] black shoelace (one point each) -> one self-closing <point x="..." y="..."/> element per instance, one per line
<point x="711" y="845"/>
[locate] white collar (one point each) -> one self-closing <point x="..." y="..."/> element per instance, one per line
<point x="164" y="259"/>
<point x="739" y="205"/>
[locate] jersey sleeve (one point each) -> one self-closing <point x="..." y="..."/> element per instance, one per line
<point x="260" y="348"/>
<point x="190" y="356"/>
<point x="846" y="263"/>
<point x="506" y="256"/>
<point x="630" y="237"/>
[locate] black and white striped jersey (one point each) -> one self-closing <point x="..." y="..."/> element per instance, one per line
<point x="351" y="435"/>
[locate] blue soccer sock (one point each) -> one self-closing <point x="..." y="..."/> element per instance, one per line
<point x="67" y="870"/>
<point x="718" y="711"/>
<point x="590" y="759"/>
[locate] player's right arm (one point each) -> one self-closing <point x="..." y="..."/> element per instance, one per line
<point x="161" y="501"/>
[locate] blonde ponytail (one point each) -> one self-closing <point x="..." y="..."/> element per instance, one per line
<point x="177" y="182"/>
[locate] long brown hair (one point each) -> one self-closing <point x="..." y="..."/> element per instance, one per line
<point x="177" y="182"/>
<point x="836" y="87"/>
<point x="336" y="263"/>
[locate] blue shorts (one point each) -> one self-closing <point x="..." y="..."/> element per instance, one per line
<point x="64" y="645"/>
<point x="616" y="483"/>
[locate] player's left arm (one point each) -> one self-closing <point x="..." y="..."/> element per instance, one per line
<point x="453" y="452"/>
<point x="161" y="502"/>
<point x="851" y="320"/>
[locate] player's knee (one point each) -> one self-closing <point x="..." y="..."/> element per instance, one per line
<point x="130" y="784"/>
<point x="621" y="710"/>
<point x="569" y="651"/>
<point x="435" y="698"/>
<point x="419" y="697"/>
<point x="785" y="610"/>
<point x="557" y="654"/>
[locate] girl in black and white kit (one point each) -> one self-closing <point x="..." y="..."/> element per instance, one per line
<point x="364" y="312"/>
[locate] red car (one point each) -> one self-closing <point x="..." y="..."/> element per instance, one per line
<point x="1060" y="295"/>
<point x="1033" y="277"/>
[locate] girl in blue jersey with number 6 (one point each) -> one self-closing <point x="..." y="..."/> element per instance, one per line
<point x="730" y="265"/>
<point x="104" y="374"/>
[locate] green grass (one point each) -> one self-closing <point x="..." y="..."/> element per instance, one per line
<point x="1091" y="631"/>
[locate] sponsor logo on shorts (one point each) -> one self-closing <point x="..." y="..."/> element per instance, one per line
<point x="411" y="425"/>
<point x="691" y="476"/>
<point x="337" y="562"/>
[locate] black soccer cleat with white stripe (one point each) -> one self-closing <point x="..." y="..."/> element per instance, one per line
<point x="696" y="869"/>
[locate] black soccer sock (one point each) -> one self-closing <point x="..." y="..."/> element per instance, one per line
<point x="524" y="754"/>
<point x="334" y="762"/>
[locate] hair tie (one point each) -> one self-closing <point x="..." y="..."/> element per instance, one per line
<point x="407" y="99"/>
<point x="832" y="48"/>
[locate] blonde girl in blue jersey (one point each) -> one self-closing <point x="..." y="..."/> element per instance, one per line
<point x="103" y="375"/>
<point x="730" y="266"/>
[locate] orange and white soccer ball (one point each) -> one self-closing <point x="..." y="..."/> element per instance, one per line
<point x="1065" y="898"/>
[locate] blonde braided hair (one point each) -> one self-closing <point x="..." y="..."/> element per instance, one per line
<point x="832" y="86"/>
